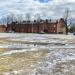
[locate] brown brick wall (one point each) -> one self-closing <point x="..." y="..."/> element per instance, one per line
<point x="2" y="28"/>
<point x="52" y="27"/>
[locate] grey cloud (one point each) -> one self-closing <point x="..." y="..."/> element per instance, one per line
<point x="50" y="9"/>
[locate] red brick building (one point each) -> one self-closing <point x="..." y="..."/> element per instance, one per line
<point x="2" y="28"/>
<point x="44" y="26"/>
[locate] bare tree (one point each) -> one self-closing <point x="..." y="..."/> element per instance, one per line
<point x="38" y="17"/>
<point x="20" y="18"/>
<point x="9" y="18"/>
<point x="66" y="15"/>
<point x="28" y="16"/>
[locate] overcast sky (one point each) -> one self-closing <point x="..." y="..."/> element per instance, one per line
<point x="46" y="8"/>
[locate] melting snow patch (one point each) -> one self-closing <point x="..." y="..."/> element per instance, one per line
<point x="17" y="72"/>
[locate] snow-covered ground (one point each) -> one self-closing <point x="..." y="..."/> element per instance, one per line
<point x="37" y="54"/>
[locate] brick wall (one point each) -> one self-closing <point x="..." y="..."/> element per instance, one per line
<point x="36" y="27"/>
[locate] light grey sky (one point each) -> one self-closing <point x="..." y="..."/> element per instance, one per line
<point x="46" y="8"/>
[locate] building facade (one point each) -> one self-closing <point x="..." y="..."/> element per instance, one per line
<point x="62" y="27"/>
<point x="2" y="28"/>
<point x="43" y="26"/>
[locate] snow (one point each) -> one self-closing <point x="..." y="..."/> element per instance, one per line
<point x="58" y="60"/>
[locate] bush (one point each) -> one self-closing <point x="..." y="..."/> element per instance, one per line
<point x="72" y="29"/>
